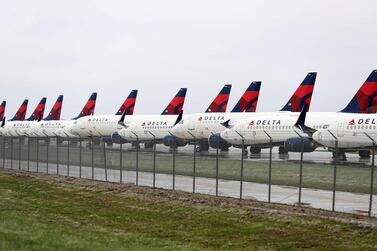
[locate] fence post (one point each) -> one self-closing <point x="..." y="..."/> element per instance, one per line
<point x="269" y="167"/>
<point x="67" y="155"/>
<point x="4" y="151"/>
<point x="2" y="144"/>
<point x="242" y="162"/>
<point x="11" y="152"/>
<point x="19" y="152"/>
<point x="92" y="157"/>
<point x="104" y="157"/>
<point x="194" y="163"/>
<point x="80" y="157"/>
<point x="301" y="167"/>
<point x="120" y="161"/>
<point x="334" y="172"/>
<point x="371" y="175"/>
<point x="28" y="153"/>
<point x="217" y="165"/>
<point x="37" y="154"/>
<point x="137" y="158"/>
<point x="154" y="159"/>
<point x="174" y="148"/>
<point x="57" y="155"/>
<point x="47" y="151"/>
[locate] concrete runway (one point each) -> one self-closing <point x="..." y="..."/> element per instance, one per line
<point x="345" y="201"/>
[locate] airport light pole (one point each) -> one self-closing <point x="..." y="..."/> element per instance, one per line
<point x="194" y="163"/>
<point x="137" y="158"/>
<point x="371" y="175"/>
<point x="334" y="172"/>
<point x="269" y="167"/>
<point x="154" y="158"/>
<point x="242" y="160"/>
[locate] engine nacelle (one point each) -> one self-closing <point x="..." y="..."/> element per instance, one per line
<point x="294" y="144"/>
<point x="216" y="140"/>
<point x="116" y="138"/>
<point x="172" y="141"/>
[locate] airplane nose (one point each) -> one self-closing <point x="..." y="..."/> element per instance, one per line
<point x="177" y="131"/>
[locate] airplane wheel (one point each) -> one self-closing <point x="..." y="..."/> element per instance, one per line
<point x="282" y="150"/>
<point x="365" y="154"/>
<point x="255" y="150"/>
<point x="203" y="146"/>
<point x="341" y="156"/>
<point x="148" y="145"/>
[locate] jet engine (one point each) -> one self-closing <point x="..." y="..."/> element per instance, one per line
<point x="294" y="144"/>
<point x="172" y="141"/>
<point x="215" y="141"/>
<point x="116" y="138"/>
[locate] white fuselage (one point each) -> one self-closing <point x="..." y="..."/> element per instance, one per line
<point x="278" y="124"/>
<point x="51" y="128"/>
<point x="152" y="127"/>
<point x="15" y="128"/>
<point x="356" y="131"/>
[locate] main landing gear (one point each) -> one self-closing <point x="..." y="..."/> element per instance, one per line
<point x="202" y="146"/>
<point x="341" y="155"/>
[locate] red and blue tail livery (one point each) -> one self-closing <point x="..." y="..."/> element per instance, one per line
<point x="249" y="100"/>
<point x="365" y="100"/>
<point x="56" y="110"/>
<point x="2" y="110"/>
<point x="39" y="110"/>
<point x="89" y="106"/>
<point x="21" y="112"/>
<point x="176" y="104"/>
<point x="220" y="103"/>
<point x="128" y="105"/>
<point x="303" y="94"/>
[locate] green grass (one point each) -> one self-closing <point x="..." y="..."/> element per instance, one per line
<point x="318" y="176"/>
<point x="41" y="214"/>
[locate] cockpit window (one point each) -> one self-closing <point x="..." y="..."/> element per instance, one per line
<point x="326" y="126"/>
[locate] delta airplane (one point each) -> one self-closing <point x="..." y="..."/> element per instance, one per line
<point x="52" y="126"/>
<point x="19" y="116"/>
<point x="35" y="129"/>
<point x="15" y="126"/>
<point x="157" y="127"/>
<point x="257" y="130"/>
<point x="107" y="126"/>
<point x="357" y="131"/>
<point x="206" y="127"/>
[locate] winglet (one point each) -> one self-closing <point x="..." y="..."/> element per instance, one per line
<point x="300" y="123"/>
<point x="121" y="120"/>
<point x="179" y="118"/>
<point x="226" y="124"/>
<point x="3" y="122"/>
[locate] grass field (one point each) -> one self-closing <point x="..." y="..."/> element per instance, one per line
<point x="318" y="176"/>
<point x="40" y="212"/>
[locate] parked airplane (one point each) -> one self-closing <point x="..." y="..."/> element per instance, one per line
<point x="205" y="128"/>
<point x="2" y="110"/>
<point x="18" y="122"/>
<point x="107" y="126"/>
<point x="159" y="128"/>
<point x="257" y="130"/>
<point x="53" y="117"/>
<point x="53" y="128"/>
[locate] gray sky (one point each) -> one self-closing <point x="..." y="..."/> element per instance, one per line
<point x="76" y="47"/>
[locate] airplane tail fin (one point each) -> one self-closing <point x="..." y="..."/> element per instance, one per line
<point x="2" y="109"/>
<point x="303" y="94"/>
<point x="89" y="107"/>
<point x="128" y="105"/>
<point x="220" y="103"/>
<point x="176" y="104"/>
<point x="365" y="99"/>
<point x="21" y="112"/>
<point x="56" y="109"/>
<point x="39" y="110"/>
<point x="249" y="100"/>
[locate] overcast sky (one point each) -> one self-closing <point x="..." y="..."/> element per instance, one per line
<point x="76" y="47"/>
